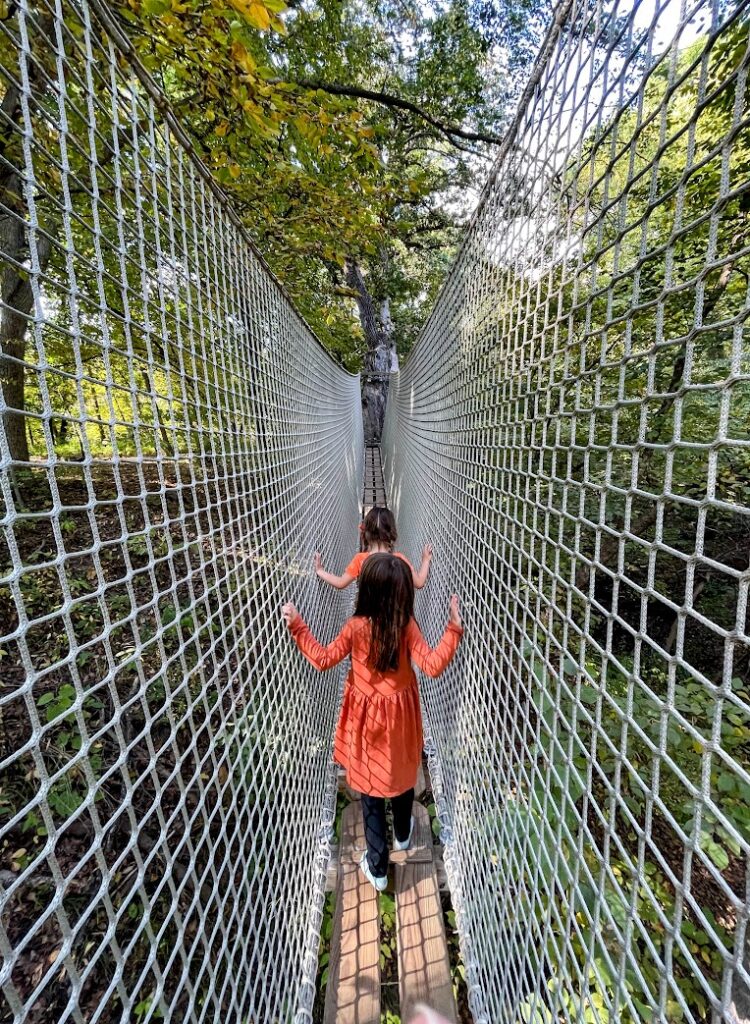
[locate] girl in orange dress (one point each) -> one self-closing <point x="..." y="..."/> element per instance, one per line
<point x="378" y="534"/>
<point x="379" y="733"/>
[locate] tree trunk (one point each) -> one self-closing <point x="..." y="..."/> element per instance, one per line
<point x="15" y="289"/>
<point x="17" y="305"/>
<point x="17" y="300"/>
<point x="12" y="384"/>
<point x="380" y="356"/>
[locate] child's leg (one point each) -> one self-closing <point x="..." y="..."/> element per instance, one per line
<point x="402" y="806"/>
<point x="373" y="809"/>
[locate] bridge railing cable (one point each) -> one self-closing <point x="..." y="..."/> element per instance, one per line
<point x="571" y="432"/>
<point x="175" y="445"/>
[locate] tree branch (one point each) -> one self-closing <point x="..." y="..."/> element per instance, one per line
<point x="450" y="131"/>
<point x="709" y="304"/>
<point x="429" y="226"/>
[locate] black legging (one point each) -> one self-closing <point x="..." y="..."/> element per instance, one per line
<point x="373" y="809"/>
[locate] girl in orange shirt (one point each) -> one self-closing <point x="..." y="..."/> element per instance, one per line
<point x="379" y="732"/>
<point x="378" y="534"/>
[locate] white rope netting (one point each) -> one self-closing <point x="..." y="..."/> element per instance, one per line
<point x="167" y="794"/>
<point x="571" y="432"/>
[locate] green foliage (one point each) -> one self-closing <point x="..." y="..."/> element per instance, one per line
<point x="549" y="817"/>
<point x="319" y="177"/>
<point x="145" y="1008"/>
<point x="661" y="246"/>
<point x="326" y="932"/>
<point x="388" y="928"/>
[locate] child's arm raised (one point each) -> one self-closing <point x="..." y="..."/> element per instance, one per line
<point x="420" y="578"/>
<point x="339" y="582"/>
<point x="321" y="657"/>
<point x="433" y="662"/>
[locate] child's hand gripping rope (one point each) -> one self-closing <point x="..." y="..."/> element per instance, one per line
<point x="289" y="613"/>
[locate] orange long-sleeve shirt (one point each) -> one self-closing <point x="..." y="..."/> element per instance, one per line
<point x="379" y="733"/>
<point x="354" y="568"/>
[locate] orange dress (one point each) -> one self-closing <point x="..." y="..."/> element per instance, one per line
<point x="354" y="568"/>
<point x="379" y="733"/>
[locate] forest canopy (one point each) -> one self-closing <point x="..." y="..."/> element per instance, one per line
<point x="353" y="136"/>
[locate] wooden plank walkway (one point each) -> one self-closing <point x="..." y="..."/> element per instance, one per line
<point x="353" y="990"/>
<point x="424" y="973"/>
<point x="373" y="491"/>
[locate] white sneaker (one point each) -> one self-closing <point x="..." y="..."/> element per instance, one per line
<point x="406" y="843"/>
<point x="375" y="882"/>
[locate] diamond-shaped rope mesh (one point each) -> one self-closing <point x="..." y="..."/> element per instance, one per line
<point x="176" y="444"/>
<point x="572" y="431"/>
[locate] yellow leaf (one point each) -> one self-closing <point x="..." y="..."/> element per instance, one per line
<point x="243" y="58"/>
<point x="221" y="129"/>
<point x="259" y="16"/>
<point x="254" y="12"/>
<point x="234" y="170"/>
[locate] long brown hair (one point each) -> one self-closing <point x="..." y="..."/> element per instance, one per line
<point x="386" y="598"/>
<point x="379" y="527"/>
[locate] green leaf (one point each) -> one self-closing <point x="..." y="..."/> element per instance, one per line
<point x="726" y="782"/>
<point x="717" y="853"/>
<point x="168" y="615"/>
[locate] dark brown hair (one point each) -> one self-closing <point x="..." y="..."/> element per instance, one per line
<point x="379" y="527"/>
<point x="386" y="598"/>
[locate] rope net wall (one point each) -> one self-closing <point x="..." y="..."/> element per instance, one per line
<point x="571" y="432"/>
<point x="166" y="787"/>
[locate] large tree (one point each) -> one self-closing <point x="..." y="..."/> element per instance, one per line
<point x="354" y="136"/>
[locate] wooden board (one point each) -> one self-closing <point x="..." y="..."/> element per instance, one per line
<point x="374" y="486"/>
<point x="421" y="854"/>
<point x="423" y="965"/>
<point x="353" y="990"/>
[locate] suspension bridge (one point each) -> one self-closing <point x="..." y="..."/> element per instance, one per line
<point x="570" y="433"/>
